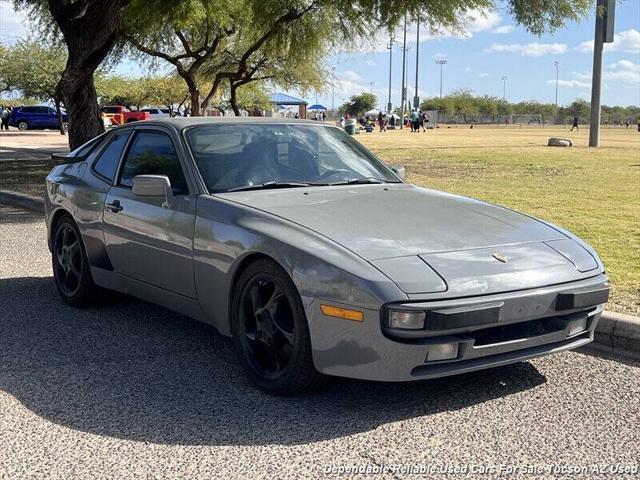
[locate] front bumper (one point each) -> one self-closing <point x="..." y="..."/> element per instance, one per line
<point x="526" y="325"/>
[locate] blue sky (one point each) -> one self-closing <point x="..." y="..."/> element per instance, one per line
<point x="490" y="47"/>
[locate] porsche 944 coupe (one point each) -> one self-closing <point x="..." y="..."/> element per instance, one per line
<point x="316" y="257"/>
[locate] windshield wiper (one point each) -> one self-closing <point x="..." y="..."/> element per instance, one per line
<point x="357" y="181"/>
<point x="268" y="185"/>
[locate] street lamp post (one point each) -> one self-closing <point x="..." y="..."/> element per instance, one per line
<point x="441" y="62"/>
<point x="504" y="87"/>
<point x="390" y="48"/>
<point x="605" y="16"/>
<point x="333" y="90"/>
<point x="404" y="73"/>
<point x="416" y="99"/>
<point x="556" y="65"/>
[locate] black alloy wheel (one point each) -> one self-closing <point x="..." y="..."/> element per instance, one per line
<point x="71" y="269"/>
<point x="271" y="332"/>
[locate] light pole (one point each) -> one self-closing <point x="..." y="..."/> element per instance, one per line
<point x="390" y="48"/>
<point x="556" y="65"/>
<point x="404" y="72"/>
<point x="504" y="87"/>
<point x="605" y="16"/>
<point x="333" y="90"/>
<point x="416" y="99"/>
<point x="371" y="84"/>
<point x="441" y="62"/>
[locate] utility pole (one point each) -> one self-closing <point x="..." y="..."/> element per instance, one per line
<point x="390" y="48"/>
<point x="605" y="12"/>
<point x="371" y="84"/>
<point x="333" y="90"/>
<point x="404" y="72"/>
<point x="442" y="62"/>
<point x="504" y="87"/>
<point x="416" y="99"/>
<point x="556" y="65"/>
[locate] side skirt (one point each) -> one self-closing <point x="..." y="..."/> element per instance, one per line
<point x="150" y="293"/>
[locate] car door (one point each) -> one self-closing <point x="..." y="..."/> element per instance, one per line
<point x="51" y="118"/>
<point x="30" y="115"/>
<point x="40" y="117"/>
<point x="147" y="238"/>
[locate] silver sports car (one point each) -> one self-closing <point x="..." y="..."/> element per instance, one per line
<point x="317" y="258"/>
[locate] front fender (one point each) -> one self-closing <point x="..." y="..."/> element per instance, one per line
<point x="227" y="233"/>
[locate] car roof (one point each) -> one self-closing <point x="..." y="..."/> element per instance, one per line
<point x="183" y="122"/>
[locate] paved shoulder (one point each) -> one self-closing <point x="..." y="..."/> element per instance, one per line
<point x="128" y="389"/>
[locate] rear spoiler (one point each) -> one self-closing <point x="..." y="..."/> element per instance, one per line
<point x="59" y="159"/>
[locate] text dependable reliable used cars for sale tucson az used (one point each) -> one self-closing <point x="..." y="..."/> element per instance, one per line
<point x="313" y="255"/>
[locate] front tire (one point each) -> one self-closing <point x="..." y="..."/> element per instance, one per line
<point x="71" y="270"/>
<point x="270" y="330"/>
<point x="22" y="125"/>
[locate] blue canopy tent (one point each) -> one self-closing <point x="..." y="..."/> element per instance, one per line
<point x="317" y="108"/>
<point x="284" y="100"/>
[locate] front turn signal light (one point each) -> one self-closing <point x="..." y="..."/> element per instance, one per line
<point x="343" y="313"/>
<point x="408" y="320"/>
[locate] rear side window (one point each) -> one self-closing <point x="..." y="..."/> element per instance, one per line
<point x="152" y="153"/>
<point x="107" y="163"/>
<point x="85" y="149"/>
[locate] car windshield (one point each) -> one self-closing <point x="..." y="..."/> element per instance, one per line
<point x="247" y="156"/>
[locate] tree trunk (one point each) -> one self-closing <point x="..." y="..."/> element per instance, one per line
<point x="81" y="101"/>
<point x="194" y="94"/>
<point x="56" y="101"/>
<point x="233" y="100"/>
<point x="212" y="93"/>
<point x="90" y="29"/>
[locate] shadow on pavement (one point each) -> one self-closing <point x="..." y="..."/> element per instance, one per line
<point x="135" y="371"/>
<point x="11" y="215"/>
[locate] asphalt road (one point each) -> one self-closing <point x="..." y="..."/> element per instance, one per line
<point x="129" y="390"/>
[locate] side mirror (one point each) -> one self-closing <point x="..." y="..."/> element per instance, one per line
<point x="152" y="186"/>
<point x="399" y="171"/>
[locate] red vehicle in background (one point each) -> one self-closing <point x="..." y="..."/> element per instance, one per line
<point x="119" y="114"/>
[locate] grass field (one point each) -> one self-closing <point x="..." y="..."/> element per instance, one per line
<point x="595" y="193"/>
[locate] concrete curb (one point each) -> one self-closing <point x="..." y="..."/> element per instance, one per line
<point x="619" y="333"/>
<point x="22" y="200"/>
<point x="616" y="332"/>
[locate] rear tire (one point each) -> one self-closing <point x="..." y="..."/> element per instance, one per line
<point x="71" y="270"/>
<point x="270" y="331"/>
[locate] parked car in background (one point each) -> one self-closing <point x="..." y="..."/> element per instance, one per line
<point x="36" y="117"/>
<point x="119" y="114"/>
<point x="157" y="112"/>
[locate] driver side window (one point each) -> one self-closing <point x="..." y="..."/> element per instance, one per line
<point x="152" y="153"/>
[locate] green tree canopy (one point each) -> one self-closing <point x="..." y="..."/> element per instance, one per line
<point x="359" y="104"/>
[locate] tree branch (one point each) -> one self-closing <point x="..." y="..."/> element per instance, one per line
<point x="183" y="40"/>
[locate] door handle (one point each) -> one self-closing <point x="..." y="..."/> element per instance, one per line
<point x="114" y="206"/>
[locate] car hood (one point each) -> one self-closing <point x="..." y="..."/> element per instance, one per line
<point x="395" y="220"/>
